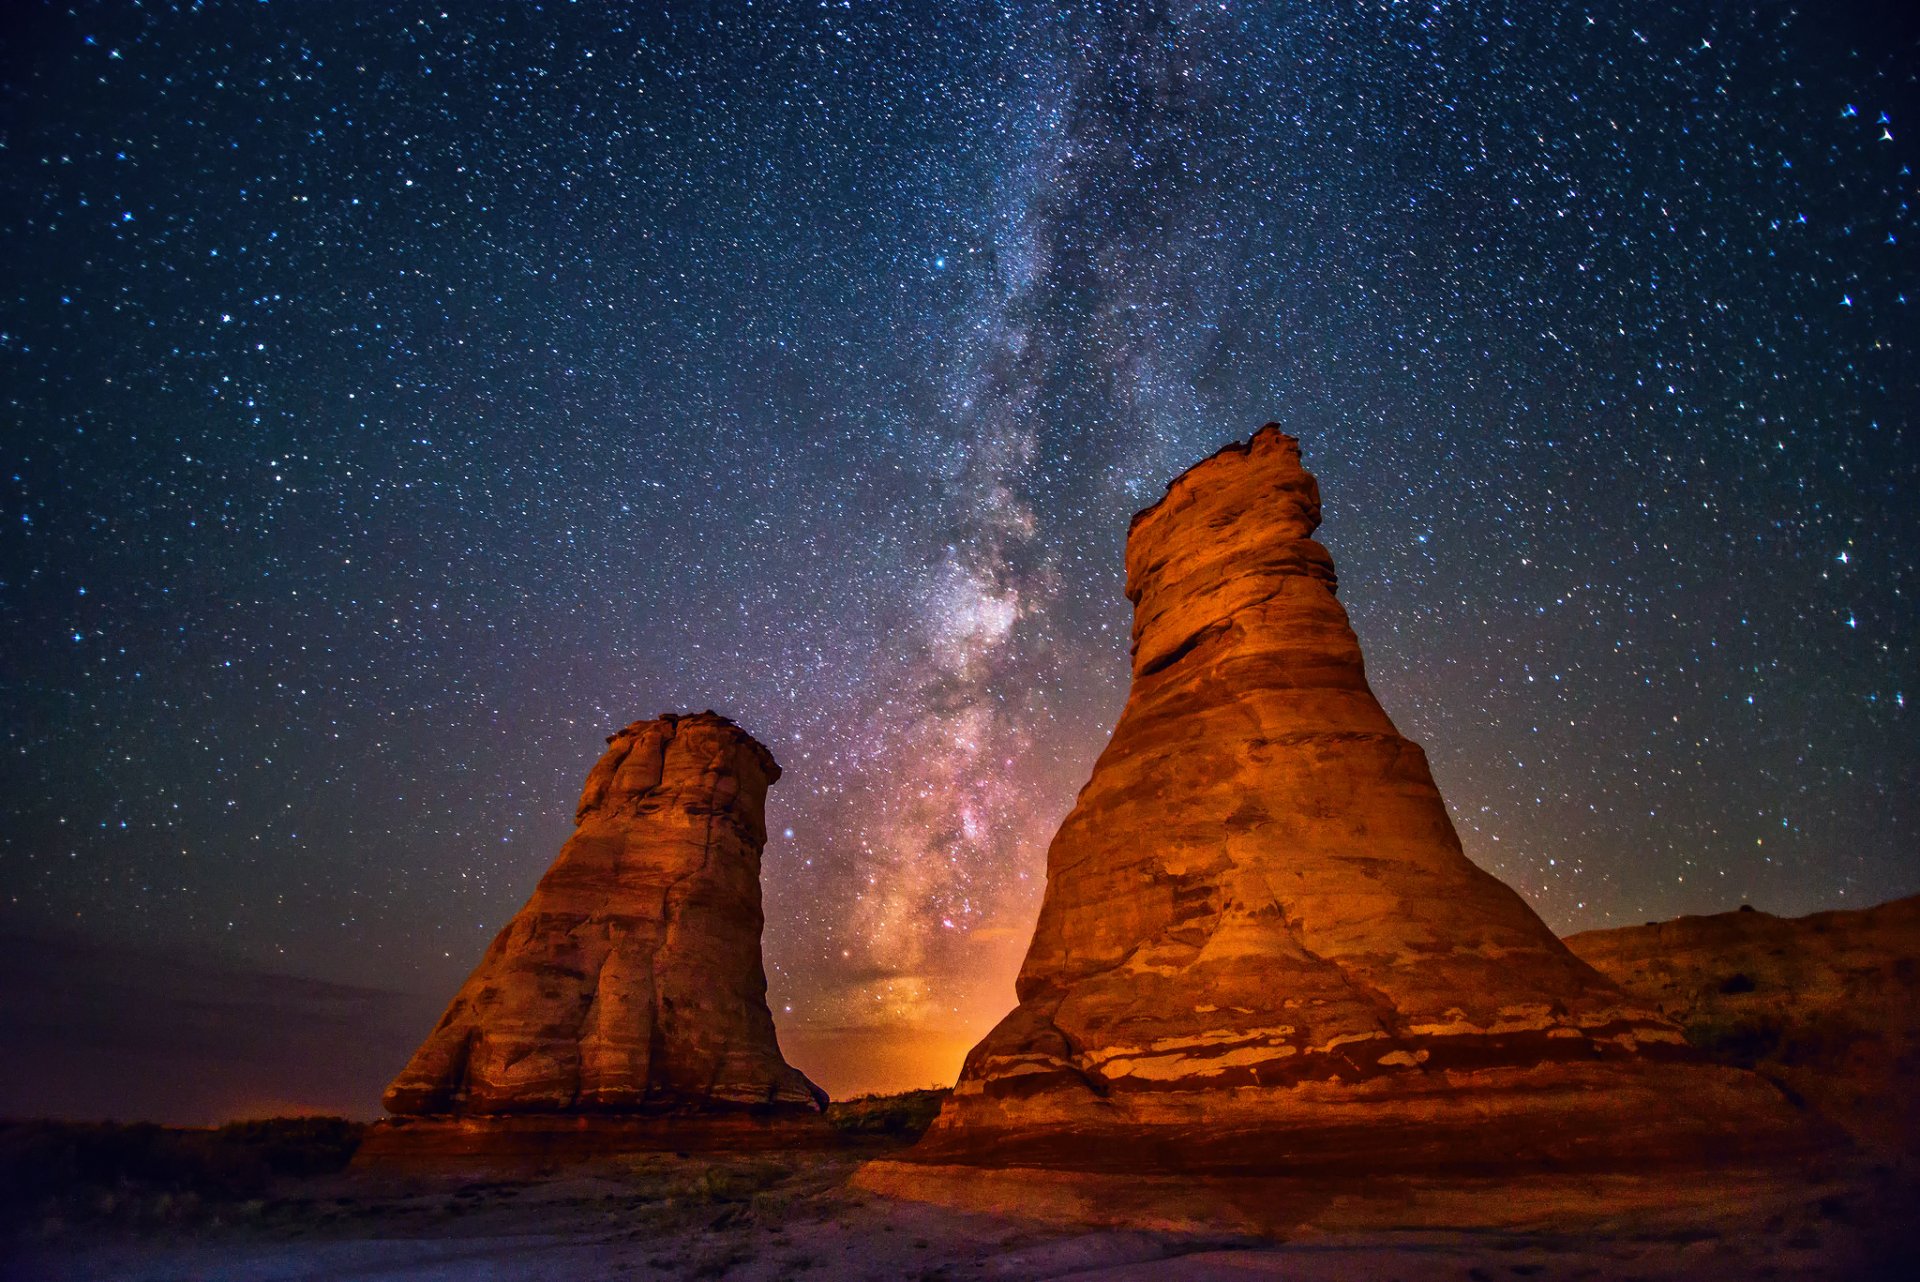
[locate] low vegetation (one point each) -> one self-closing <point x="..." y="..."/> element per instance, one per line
<point x="56" y="1177"/>
<point x="905" y="1116"/>
<point x="1743" y="1040"/>
<point x="149" y="1175"/>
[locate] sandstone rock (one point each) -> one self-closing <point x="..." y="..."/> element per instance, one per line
<point x="1827" y="1005"/>
<point x="632" y="980"/>
<point x="518" y="1144"/>
<point x="1261" y="944"/>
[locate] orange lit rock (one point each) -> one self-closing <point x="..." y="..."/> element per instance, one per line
<point x="632" y="980"/>
<point x="1261" y="945"/>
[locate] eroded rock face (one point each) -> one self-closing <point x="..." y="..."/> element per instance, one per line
<point x="1260" y="941"/>
<point x="632" y="980"/>
<point x="1828" y="1004"/>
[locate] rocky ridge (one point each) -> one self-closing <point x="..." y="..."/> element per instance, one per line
<point x="1827" y="1005"/>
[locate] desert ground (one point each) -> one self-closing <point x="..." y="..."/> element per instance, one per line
<point x="796" y="1214"/>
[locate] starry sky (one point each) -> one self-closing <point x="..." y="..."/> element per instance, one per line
<point x="401" y="397"/>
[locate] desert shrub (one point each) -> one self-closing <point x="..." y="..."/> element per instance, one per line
<point x="904" y="1116"/>
<point x="296" y="1145"/>
<point x="730" y="1181"/>
<point x="1825" y="1041"/>
<point x="150" y="1172"/>
<point x="1739" y="1039"/>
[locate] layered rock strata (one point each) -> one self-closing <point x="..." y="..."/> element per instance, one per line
<point x="1261" y="944"/>
<point x="1828" y="1005"/>
<point x="632" y="980"/>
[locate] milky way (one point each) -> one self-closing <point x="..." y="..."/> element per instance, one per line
<point x="402" y="398"/>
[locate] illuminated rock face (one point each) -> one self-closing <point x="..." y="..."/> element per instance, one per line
<point x="632" y="980"/>
<point x="1260" y="941"/>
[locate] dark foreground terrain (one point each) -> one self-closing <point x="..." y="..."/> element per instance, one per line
<point x="280" y="1200"/>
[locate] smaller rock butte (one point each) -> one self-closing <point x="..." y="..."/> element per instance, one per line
<point x="632" y="980"/>
<point x="1261" y="946"/>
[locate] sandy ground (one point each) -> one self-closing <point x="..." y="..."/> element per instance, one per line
<point x="790" y="1216"/>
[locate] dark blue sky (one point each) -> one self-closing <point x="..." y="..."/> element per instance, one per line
<point x="399" y="399"/>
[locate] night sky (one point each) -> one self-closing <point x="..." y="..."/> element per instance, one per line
<point x="399" y="399"/>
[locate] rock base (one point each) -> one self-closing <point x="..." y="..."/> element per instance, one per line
<point x="522" y="1142"/>
<point x="1563" y="1118"/>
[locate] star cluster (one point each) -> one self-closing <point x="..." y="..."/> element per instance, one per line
<point x="401" y="397"/>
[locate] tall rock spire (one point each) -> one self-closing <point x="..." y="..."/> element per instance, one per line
<point x="1260" y="939"/>
<point x="632" y="979"/>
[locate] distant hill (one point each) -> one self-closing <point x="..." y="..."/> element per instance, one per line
<point x="1826" y="1005"/>
<point x="90" y="1031"/>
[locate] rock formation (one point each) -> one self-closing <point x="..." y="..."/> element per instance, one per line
<point x="631" y="981"/>
<point x="1827" y="1005"/>
<point x="1260" y="943"/>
